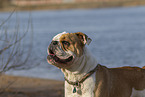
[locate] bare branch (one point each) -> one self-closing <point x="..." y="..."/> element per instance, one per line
<point x="13" y="55"/>
<point x="7" y="18"/>
<point x="2" y="50"/>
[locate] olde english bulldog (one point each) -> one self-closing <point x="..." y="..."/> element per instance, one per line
<point x="84" y="77"/>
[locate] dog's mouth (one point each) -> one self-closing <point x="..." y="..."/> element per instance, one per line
<point x="59" y="60"/>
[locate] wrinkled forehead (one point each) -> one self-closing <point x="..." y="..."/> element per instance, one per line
<point x="64" y="36"/>
<point x="57" y="37"/>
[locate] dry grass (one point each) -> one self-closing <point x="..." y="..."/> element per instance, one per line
<point x="99" y="4"/>
<point x="14" y="86"/>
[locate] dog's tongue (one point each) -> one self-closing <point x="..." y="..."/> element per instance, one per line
<point x="54" y="56"/>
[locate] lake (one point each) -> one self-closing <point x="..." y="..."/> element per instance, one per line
<point x="118" y="35"/>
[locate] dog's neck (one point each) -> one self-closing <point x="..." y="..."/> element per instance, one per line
<point x="81" y="66"/>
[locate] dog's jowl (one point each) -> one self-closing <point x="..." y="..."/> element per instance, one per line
<point x="85" y="77"/>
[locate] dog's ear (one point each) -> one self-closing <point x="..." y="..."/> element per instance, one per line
<point x="84" y="38"/>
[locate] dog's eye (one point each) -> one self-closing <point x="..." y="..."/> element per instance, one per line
<point x="65" y="43"/>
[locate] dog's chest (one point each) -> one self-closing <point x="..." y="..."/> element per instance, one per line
<point x="86" y="89"/>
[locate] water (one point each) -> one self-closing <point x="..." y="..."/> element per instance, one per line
<point x="118" y="35"/>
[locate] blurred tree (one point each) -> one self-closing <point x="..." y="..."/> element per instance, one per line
<point x="13" y="55"/>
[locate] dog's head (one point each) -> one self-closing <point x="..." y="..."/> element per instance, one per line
<point x="65" y="48"/>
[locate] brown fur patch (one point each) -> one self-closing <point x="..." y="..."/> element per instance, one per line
<point x="118" y="82"/>
<point x="75" y="46"/>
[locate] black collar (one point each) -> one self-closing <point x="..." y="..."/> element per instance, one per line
<point x="77" y="83"/>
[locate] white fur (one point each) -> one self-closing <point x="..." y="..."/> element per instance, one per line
<point x="57" y="37"/>
<point x="138" y="93"/>
<point x="80" y="67"/>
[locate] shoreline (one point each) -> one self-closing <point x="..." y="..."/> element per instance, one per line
<point x="80" y="5"/>
<point x="18" y="86"/>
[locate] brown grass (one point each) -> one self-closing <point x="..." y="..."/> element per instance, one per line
<point x="99" y="4"/>
<point x="15" y="86"/>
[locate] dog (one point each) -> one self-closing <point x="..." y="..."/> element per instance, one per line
<point x="85" y="77"/>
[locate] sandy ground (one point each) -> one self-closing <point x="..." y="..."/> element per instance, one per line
<point x="15" y="86"/>
<point x="100" y="4"/>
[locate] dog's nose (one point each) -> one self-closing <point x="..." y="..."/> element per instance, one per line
<point x="54" y="42"/>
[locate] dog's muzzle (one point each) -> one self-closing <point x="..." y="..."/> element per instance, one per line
<point x="57" y="56"/>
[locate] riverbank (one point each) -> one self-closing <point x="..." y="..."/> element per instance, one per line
<point x="82" y="5"/>
<point x="17" y="86"/>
